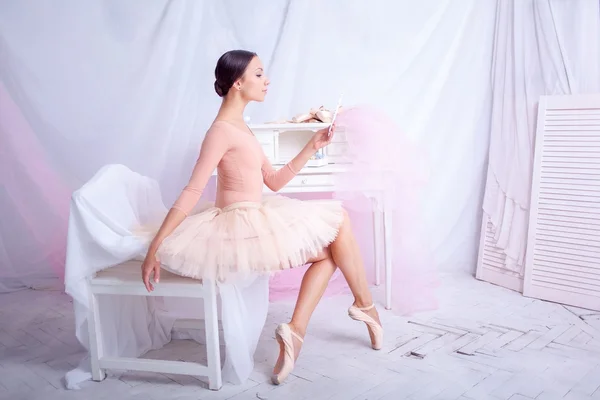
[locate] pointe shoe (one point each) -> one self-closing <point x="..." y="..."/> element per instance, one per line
<point x="320" y="114"/>
<point x="358" y="314"/>
<point x="284" y="335"/>
<point x="302" y="117"/>
<point x="324" y="115"/>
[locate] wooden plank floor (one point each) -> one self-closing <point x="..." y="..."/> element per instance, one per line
<point x="484" y="342"/>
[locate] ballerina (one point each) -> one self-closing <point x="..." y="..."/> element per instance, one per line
<point x="246" y="233"/>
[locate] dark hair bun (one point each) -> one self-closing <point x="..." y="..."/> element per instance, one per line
<point x="231" y="67"/>
<point x="219" y="90"/>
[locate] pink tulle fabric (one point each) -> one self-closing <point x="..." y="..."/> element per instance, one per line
<point x="381" y="159"/>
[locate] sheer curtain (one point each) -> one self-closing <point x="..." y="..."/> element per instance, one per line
<point x="540" y="47"/>
<point x="115" y="83"/>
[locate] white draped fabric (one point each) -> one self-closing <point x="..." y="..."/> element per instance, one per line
<point x="540" y="47"/>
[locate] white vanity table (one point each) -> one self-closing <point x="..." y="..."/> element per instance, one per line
<point x="282" y="142"/>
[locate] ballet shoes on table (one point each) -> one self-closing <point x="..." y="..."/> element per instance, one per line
<point x="285" y="337"/>
<point x="315" y="115"/>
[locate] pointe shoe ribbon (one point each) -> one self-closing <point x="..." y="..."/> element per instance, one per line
<point x="358" y="314"/>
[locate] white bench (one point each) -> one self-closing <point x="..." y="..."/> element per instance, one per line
<point x="125" y="279"/>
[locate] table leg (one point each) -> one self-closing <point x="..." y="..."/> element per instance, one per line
<point x="387" y="228"/>
<point x="377" y="221"/>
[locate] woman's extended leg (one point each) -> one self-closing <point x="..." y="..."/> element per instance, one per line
<point x="343" y="253"/>
<point x="346" y="255"/>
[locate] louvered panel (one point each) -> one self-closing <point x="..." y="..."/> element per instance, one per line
<point x="574" y="201"/>
<point x="591" y="127"/>
<point x="558" y="278"/>
<point x="573" y="256"/>
<point x="578" y="220"/>
<point x="565" y="249"/>
<point x="568" y="227"/>
<point x="567" y="292"/>
<point x="557" y="238"/>
<point x="574" y="167"/>
<point x="491" y="263"/>
<point x="560" y="246"/>
<point x="563" y="254"/>
<point x="574" y="239"/>
<point x="493" y="257"/>
<point x="576" y="134"/>
<point x="566" y="208"/>
<point x="575" y="194"/>
<point x="583" y="115"/>
<point x="568" y="271"/>
<point x="578" y="176"/>
<point x="578" y="187"/>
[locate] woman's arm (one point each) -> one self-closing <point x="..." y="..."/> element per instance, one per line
<point x="214" y="147"/>
<point x="277" y="179"/>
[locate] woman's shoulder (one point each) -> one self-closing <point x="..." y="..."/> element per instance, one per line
<point x="218" y="129"/>
<point x="219" y="126"/>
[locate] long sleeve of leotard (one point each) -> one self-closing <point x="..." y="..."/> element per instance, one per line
<point x="277" y="179"/>
<point x="213" y="148"/>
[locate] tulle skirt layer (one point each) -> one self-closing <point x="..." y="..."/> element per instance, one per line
<point x="247" y="237"/>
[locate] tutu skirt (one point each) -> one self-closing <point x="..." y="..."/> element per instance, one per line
<point x="247" y="238"/>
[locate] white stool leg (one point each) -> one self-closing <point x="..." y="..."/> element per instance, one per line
<point x="95" y="336"/>
<point x="211" y="319"/>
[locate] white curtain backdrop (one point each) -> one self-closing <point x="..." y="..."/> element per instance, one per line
<point x="540" y="47"/>
<point x="85" y="85"/>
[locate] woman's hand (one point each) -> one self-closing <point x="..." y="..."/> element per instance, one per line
<point x="321" y="138"/>
<point x="150" y="265"/>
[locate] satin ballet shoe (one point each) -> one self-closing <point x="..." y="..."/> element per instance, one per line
<point x="358" y="314"/>
<point x="302" y="118"/>
<point x="324" y="115"/>
<point x="285" y="337"/>
<point x="319" y="114"/>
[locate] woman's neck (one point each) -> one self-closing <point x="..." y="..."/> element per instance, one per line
<point x="232" y="109"/>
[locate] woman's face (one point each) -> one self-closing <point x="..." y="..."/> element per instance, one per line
<point x="254" y="82"/>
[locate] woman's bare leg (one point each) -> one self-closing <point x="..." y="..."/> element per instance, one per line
<point x="346" y="255"/>
<point x="313" y="286"/>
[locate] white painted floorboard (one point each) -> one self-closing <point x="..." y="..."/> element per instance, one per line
<point x="484" y="342"/>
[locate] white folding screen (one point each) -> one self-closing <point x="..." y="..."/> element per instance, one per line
<point x="563" y="244"/>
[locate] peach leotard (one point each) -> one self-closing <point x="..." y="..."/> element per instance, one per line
<point x="242" y="168"/>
